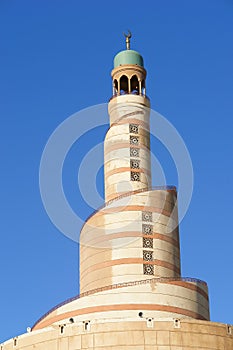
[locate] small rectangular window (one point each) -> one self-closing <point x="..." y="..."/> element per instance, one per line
<point x="87" y="325"/>
<point x="150" y="322"/>
<point x="176" y="323"/>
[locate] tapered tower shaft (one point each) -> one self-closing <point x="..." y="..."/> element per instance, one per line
<point x="135" y="236"/>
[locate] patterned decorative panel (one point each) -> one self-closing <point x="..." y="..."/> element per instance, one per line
<point x="133" y="128"/>
<point x="148" y="269"/>
<point x="134" y="163"/>
<point x="134" y="140"/>
<point x="148" y="255"/>
<point x="146" y="216"/>
<point x="147" y="242"/>
<point x="135" y="176"/>
<point x="147" y="229"/>
<point x="134" y="152"/>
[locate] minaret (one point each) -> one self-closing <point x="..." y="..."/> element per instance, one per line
<point x="132" y="293"/>
<point x="135" y="236"/>
<point x="127" y="144"/>
<point x="133" y="240"/>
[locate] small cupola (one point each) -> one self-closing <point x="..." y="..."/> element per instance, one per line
<point x="129" y="74"/>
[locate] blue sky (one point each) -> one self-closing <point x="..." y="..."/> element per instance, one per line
<point x="56" y="58"/>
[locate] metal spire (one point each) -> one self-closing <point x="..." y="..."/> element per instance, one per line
<point x="127" y="39"/>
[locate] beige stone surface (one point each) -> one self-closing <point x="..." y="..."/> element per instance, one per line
<point x="117" y="169"/>
<point x="129" y="106"/>
<point x="111" y="241"/>
<point x="127" y="335"/>
<point x="124" y="153"/>
<point x="164" y="298"/>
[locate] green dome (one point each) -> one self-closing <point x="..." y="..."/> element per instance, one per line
<point x="128" y="57"/>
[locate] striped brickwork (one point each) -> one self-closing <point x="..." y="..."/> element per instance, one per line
<point x="127" y="165"/>
<point x="130" y="239"/>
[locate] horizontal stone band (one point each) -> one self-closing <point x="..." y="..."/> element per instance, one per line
<point x="132" y="121"/>
<point x="121" y="307"/>
<point x="116" y="262"/>
<point x="127" y="169"/>
<point x="126" y="234"/>
<point x="119" y="145"/>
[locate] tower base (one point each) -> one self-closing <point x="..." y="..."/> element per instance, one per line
<point x="140" y="334"/>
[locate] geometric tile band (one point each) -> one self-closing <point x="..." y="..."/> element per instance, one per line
<point x="147" y="229"/>
<point x="148" y="255"/>
<point x="148" y="269"/>
<point x="147" y="242"/>
<point x="134" y="163"/>
<point x="146" y="216"/>
<point x="133" y="128"/>
<point x="134" y="176"/>
<point x="134" y="140"/>
<point x="134" y="152"/>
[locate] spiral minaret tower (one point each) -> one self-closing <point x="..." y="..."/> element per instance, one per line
<point x="132" y="295"/>
<point x="135" y="236"/>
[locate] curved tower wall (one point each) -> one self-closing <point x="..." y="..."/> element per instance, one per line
<point x="132" y="238"/>
<point x="138" y="334"/>
<point x="127" y="165"/>
<point x="135" y="235"/>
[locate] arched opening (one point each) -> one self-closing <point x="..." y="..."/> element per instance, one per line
<point x="124" y="85"/>
<point x="115" y="87"/>
<point x="134" y="85"/>
<point x="143" y="88"/>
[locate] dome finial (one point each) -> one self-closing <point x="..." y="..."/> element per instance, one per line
<point x="127" y="39"/>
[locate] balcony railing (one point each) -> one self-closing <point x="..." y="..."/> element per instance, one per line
<point x="130" y="193"/>
<point x="121" y="285"/>
<point x="129" y="93"/>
